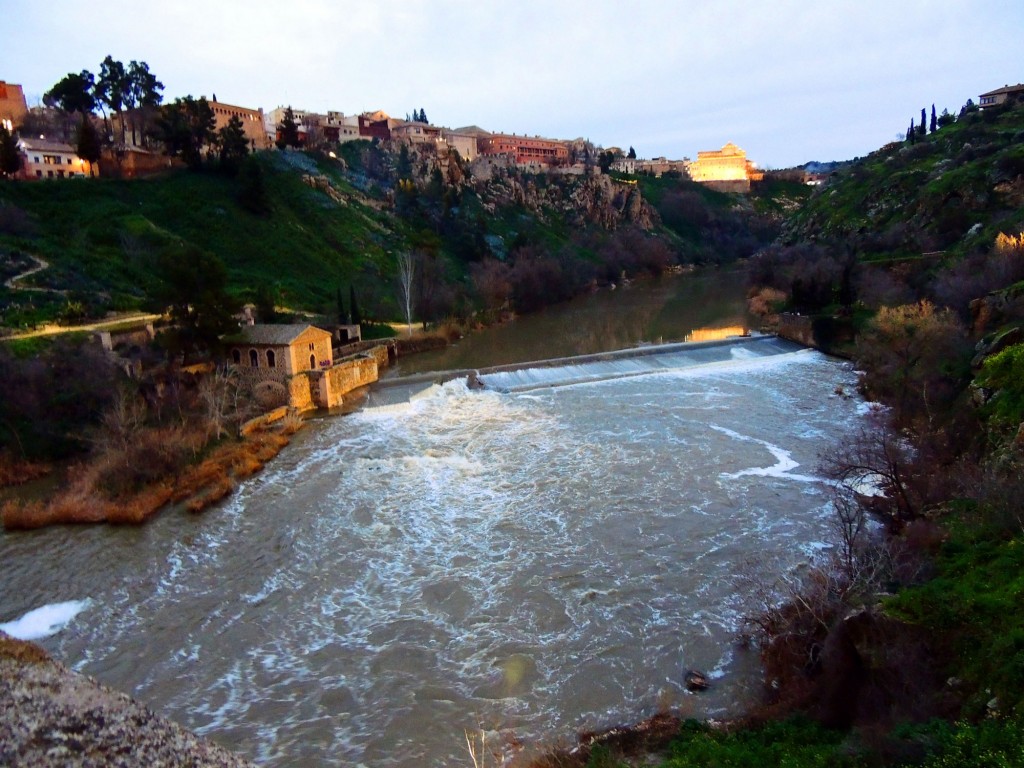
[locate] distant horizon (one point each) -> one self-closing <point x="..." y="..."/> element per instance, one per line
<point x="795" y="83"/>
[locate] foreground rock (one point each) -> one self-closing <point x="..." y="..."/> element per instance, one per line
<point x="51" y="716"/>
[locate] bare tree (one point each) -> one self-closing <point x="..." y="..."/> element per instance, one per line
<point x="876" y="460"/>
<point x="219" y="394"/>
<point x="406" y="277"/>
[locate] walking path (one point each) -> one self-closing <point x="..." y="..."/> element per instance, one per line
<point x="52" y="329"/>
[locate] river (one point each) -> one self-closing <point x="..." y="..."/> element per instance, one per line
<point x="525" y="559"/>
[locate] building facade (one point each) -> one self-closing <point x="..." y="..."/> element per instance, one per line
<point x="252" y="122"/>
<point x="279" y="352"/>
<point x="12" y="105"/>
<point x="463" y="143"/>
<point x="525" y="150"/>
<point x="727" y="167"/>
<point x="43" y="159"/>
<point x="1001" y="95"/>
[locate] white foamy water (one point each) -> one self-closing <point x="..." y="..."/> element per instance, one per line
<point x="44" y="621"/>
<point x="530" y="562"/>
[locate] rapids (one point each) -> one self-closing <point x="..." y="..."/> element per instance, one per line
<point x="528" y="562"/>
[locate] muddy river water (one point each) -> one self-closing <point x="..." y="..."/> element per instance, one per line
<point x="524" y="559"/>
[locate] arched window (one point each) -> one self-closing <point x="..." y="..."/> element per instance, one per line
<point x="312" y="362"/>
<point x="254" y="358"/>
<point x="271" y="359"/>
<point x="236" y="356"/>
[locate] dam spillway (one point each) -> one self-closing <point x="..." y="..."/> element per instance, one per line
<point x="530" y="561"/>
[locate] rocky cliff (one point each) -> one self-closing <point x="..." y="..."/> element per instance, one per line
<point x="51" y="717"/>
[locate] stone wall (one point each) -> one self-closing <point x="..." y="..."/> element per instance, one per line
<point x="344" y="377"/>
<point x="300" y="391"/>
<point x="798" y="328"/>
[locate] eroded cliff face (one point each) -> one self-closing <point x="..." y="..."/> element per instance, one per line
<point x="51" y="717"/>
<point x="595" y="200"/>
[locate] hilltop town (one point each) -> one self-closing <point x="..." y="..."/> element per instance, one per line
<point x="132" y="145"/>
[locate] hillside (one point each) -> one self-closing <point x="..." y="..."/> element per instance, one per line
<point x="953" y="190"/>
<point x="302" y="226"/>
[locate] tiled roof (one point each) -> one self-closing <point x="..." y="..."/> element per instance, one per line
<point x="41" y="145"/>
<point x="274" y="335"/>
<point x="1006" y="89"/>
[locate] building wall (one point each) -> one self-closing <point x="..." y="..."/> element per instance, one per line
<point x="312" y="342"/>
<point x="51" y="162"/>
<point x="338" y="381"/>
<point x="462" y="143"/>
<point x="12" y="105"/>
<point x="525" y="149"/>
<point x="252" y="122"/>
<point x="726" y="164"/>
<point x="300" y="392"/>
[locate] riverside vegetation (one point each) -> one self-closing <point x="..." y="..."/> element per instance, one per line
<point x="306" y="231"/>
<point x="906" y="644"/>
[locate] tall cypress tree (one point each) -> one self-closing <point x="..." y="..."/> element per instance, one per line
<point x="10" y="157"/>
<point x="934" y="126"/>
<point x="923" y="127"/>
<point x="912" y="133"/>
<point x="353" y="307"/>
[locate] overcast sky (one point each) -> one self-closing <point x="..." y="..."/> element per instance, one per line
<point x="787" y="80"/>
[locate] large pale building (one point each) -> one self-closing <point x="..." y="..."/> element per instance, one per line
<point x="12" y="105"/>
<point x="727" y="168"/>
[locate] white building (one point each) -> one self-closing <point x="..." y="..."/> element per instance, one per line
<point x="51" y="160"/>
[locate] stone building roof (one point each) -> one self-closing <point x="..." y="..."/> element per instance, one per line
<point x="273" y="335"/>
<point x="1019" y="87"/>
<point x="42" y="145"/>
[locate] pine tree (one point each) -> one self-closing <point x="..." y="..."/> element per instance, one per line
<point x="89" y="145"/>
<point x="935" y="121"/>
<point x="288" y="130"/>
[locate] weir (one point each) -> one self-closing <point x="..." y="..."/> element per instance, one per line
<point x="565" y="371"/>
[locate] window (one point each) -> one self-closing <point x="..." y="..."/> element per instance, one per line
<point x="312" y="362"/>
<point x="254" y="358"/>
<point x="236" y="356"/>
<point x="39" y="174"/>
<point x="311" y="346"/>
<point x="69" y="161"/>
<point x="271" y="359"/>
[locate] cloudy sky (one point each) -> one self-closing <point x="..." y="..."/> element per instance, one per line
<point x="788" y="80"/>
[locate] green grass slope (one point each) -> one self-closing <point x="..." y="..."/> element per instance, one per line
<point x="952" y="190"/>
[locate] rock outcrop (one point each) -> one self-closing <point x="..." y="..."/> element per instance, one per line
<point x="51" y="717"/>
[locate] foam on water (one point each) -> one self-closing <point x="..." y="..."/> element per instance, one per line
<point x="532" y="562"/>
<point x="45" y="621"/>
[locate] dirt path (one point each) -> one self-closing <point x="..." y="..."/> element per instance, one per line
<point x="12" y="283"/>
<point x="53" y="329"/>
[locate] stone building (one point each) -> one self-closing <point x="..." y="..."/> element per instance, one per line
<point x="463" y="143"/>
<point x="726" y="168"/>
<point x="12" y="105"/>
<point x="413" y="132"/>
<point x="252" y="122"/>
<point x="525" y="149"/>
<point x="280" y="351"/>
